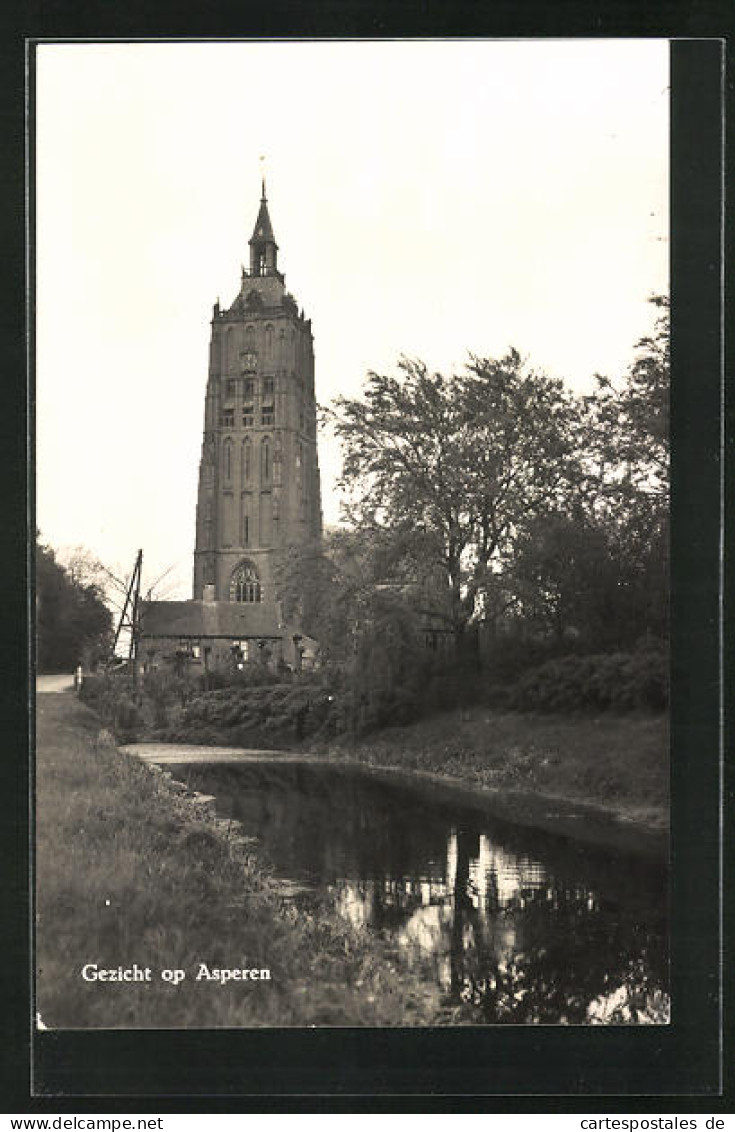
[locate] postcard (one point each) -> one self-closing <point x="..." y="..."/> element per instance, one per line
<point x="353" y="558"/>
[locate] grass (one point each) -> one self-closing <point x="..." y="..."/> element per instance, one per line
<point x="129" y="870"/>
<point x="616" y="761"/>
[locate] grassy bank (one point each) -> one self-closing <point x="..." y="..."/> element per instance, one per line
<point x="614" y="757"/>
<point x="130" y="871"/>
<point x="619" y="762"/>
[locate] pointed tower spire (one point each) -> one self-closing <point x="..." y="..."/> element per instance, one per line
<point x="263" y="246"/>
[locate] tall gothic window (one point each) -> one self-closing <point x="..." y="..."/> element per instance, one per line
<point x="227" y="459"/>
<point x="249" y="337"/>
<point x="245" y="584"/>
<point x="268" y="341"/>
<point x="266" y="518"/>
<point x="246" y="460"/>
<point x="265" y="460"/>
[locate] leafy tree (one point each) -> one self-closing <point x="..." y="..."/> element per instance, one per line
<point x="564" y="576"/>
<point x="642" y="435"/>
<point x="351" y="580"/>
<point x="627" y="428"/>
<point x="453" y="470"/>
<point x="494" y="497"/>
<point x="73" y="624"/>
<point x="369" y="624"/>
<point x="627" y="464"/>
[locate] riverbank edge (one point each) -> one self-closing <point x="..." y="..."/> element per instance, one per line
<point x="616" y="828"/>
<point x="579" y="820"/>
<point x="330" y="973"/>
<point x="600" y="776"/>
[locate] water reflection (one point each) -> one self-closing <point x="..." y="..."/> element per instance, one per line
<point x="515" y="925"/>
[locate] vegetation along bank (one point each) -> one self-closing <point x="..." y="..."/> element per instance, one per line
<point x="133" y="874"/>
<point x="595" y="752"/>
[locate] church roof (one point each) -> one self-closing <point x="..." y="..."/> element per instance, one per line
<point x="263" y="229"/>
<point x="225" y="619"/>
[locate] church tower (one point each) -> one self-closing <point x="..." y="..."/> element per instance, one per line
<point x="259" y="488"/>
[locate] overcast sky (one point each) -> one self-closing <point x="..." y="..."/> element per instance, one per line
<point x="429" y="199"/>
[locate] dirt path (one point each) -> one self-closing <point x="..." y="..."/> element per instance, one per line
<point x="193" y="753"/>
<point x="58" y="683"/>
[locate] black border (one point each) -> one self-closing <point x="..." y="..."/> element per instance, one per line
<point x="504" y="1069"/>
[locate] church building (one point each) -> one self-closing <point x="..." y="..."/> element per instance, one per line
<point x="259" y="475"/>
<point x="259" y="487"/>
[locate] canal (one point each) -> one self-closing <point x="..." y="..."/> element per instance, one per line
<point x="516" y="925"/>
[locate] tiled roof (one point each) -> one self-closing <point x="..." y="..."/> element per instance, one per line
<point x="233" y="620"/>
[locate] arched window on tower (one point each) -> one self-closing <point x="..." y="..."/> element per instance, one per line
<point x="268" y="341"/>
<point x="230" y="350"/>
<point x="247" y="470"/>
<point x="245" y="584"/>
<point x="265" y="460"/>
<point x="249" y="337"/>
<point x="277" y="461"/>
<point x="227" y="460"/>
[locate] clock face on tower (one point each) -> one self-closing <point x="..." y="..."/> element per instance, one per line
<point x="248" y="361"/>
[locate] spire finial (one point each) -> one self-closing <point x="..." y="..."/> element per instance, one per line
<point x="262" y="174"/>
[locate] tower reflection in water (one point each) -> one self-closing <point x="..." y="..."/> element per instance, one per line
<point x="512" y="943"/>
<point x="515" y="925"/>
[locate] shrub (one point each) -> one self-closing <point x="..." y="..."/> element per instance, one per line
<point x="127" y="720"/>
<point x="93" y="689"/>
<point x="162" y="690"/>
<point x="260" y="715"/>
<point x="611" y="681"/>
<point x="507" y="656"/>
<point x="251" y="675"/>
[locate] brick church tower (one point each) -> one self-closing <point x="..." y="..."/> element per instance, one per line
<point x="259" y="489"/>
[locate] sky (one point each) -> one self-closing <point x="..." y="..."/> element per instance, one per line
<point x="429" y="198"/>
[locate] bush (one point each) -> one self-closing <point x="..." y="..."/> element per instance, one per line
<point x="452" y="686"/>
<point x="614" y="681"/>
<point x="127" y="721"/>
<point x="507" y="656"/>
<point x="111" y="697"/>
<point x="249" y="676"/>
<point x="264" y="715"/>
<point x="93" y="689"/>
<point x="163" y="690"/>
